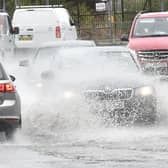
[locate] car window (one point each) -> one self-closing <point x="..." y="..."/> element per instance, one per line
<point x="151" y="27"/>
<point x="44" y="54"/>
<point x="96" y="59"/>
<point x="122" y="59"/>
<point x="81" y="58"/>
<point x="44" y="57"/>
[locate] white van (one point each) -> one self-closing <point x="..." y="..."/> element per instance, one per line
<point x="39" y="24"/>
<point x="6" y="35"/>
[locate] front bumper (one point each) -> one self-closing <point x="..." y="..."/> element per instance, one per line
<point x="10" y="114"/>
<point x="10" y="122"/>
<point x="135" y="108"/>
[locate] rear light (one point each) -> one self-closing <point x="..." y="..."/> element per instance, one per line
<point x="58" y="32"/>
<point x="7" y="87"/>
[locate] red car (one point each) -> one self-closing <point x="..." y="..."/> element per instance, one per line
<point x="149" y="39"/>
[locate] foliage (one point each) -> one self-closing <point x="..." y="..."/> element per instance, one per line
<point x="129" y="5"/>
<point x="83" y="12"/>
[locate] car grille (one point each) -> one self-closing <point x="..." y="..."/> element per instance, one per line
<point x="154" y="61"/>
<point x="116" y="94"/>
<point x="153" y="55"/>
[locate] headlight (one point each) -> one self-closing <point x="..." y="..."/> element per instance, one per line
<point x="39" y="85"/>
<point x="144" y="91"/>
<point x="69" y="95"/>
<point x="133" y="51"/>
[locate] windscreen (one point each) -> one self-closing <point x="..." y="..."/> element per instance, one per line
<point x="44" y="58"/>
<point x="98" y="60"/>
<point x="151" y="27"/>
<point x="72" y="60"/>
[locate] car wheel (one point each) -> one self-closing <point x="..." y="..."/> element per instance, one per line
<point x="20" y="123"/>
<point x="9" y="133"/>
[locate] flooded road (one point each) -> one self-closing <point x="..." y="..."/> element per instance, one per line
<point x="46" y="142"/>
<point x="78" y="139"/>
<point x="106" y="147"/>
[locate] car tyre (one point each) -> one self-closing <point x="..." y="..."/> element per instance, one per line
<point x="9" y="133"/>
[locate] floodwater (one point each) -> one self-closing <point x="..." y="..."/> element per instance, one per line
<point x="78" y="139"/>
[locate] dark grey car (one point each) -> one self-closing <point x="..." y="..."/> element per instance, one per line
<point x="10" y="105"/>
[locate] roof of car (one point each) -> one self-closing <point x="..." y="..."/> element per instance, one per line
<point x="78" y="44"/>
<point x="100" y="48"/>
<point x="113" y="48"/>
<point x="153" y="14"/>
<point x="39" y="7"/>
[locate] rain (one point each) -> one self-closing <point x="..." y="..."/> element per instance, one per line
<point x="55" y="135"/>
<point x="62" y="129"/>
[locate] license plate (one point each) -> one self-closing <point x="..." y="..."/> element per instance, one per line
<point x="25" y="37"/>
<point x="156" y="65"/>
<point x="115" y="105"/>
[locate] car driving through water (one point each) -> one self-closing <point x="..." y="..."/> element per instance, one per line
<point x="106" y="80"/>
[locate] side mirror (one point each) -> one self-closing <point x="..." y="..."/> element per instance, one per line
<point x="12" y="78"/>
<point x="74" y="22"/>
<point x="124" y="37"/>
<point x="16" y="30"/>
<point x="24" y="63"/>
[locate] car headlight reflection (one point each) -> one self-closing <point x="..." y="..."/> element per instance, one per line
<point x="144" y="91"/>
<point x="69" y="95"/>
